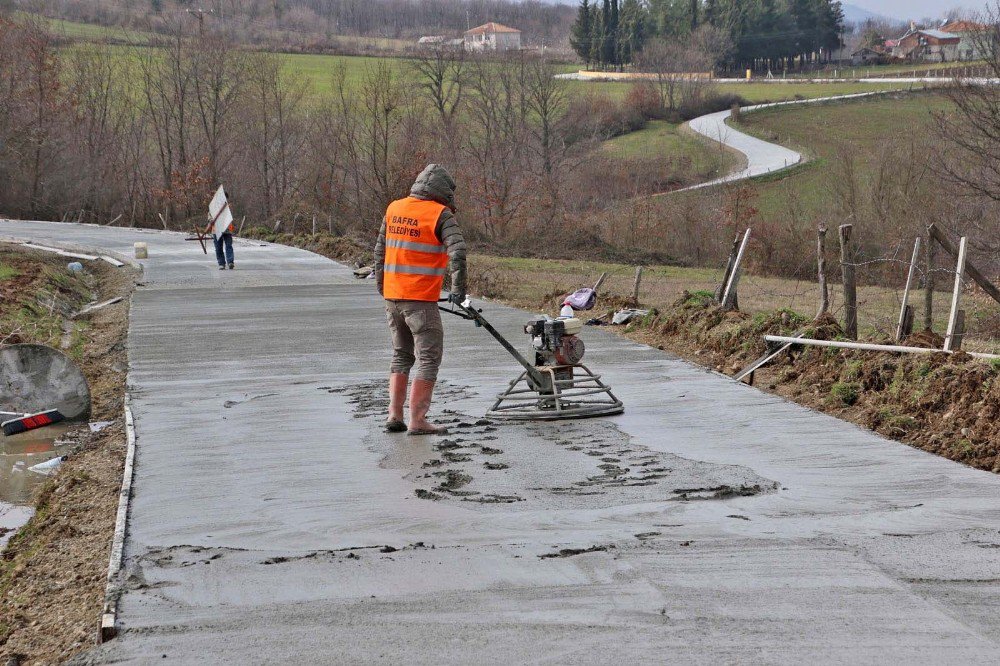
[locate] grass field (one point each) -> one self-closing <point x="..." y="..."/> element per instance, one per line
<point x="660" y="138"/>
<point x="756" y="93"/>
<point x="536" y="285"/>
<point x="874" y="71"/>
<point x="88" y="31"/>
<point x="819" y="131"/>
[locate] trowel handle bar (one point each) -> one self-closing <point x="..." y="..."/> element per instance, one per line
<point x="472" y="314"/>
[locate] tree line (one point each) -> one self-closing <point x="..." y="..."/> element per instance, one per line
<point x="316" y="24"/>
<point x="763" y="34"/>
<point x="141" y="137"/>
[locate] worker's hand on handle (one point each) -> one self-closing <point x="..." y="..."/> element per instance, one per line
<point x="457" y="299"/>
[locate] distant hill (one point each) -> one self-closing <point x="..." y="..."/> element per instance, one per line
<point x="857" y="15"/>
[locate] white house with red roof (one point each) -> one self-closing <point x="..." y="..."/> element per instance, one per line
<point x="493" y="37"/>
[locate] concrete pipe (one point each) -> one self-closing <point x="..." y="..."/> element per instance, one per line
<point x="35" y="378"/>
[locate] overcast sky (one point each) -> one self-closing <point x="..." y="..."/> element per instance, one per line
<point x="916" y="8"/>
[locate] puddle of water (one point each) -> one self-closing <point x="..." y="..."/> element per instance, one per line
<point x="17" y="482"/>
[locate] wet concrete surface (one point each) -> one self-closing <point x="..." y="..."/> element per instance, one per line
<point x="274" y="520"/>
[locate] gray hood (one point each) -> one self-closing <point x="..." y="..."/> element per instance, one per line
<point x="436" y="184"/>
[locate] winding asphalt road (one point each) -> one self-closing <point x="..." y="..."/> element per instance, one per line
<point x="761" y="157"/>
<point x="273" y="520"/>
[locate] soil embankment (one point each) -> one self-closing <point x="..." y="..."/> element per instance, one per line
<point x="53" y="570"/>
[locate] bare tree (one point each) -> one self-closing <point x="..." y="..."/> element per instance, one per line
<point x="495" y="145"/>
<point x="441" y="73"/>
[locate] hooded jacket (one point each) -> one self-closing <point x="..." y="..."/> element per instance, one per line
<point x="434" y="184"/>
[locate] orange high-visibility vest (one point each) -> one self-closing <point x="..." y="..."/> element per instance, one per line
<point x="415" y="260"/>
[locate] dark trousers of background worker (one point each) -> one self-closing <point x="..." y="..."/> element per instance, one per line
<point x="223" y="242"/>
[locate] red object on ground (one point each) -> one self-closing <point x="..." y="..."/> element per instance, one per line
<point x="31" y="421"/>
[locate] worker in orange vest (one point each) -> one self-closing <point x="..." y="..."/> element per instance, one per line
<point x="419" y="243"/>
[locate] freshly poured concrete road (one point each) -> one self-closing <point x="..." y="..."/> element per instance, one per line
<point x="264" y="502"/>
<point x="761" y="157"/>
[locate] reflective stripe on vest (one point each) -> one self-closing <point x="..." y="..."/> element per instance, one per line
<point x="415" y="260"/>
<point x="415" y="270"/>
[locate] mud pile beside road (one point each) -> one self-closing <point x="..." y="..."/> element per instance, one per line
<point x="346" y="250"/>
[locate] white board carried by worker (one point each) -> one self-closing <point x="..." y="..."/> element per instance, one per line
<point x="220" y="213"/>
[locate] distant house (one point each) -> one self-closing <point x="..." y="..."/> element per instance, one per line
<point x="440" y="42"/>
<point x="973" y="38"/>
<point x="493" y="37"/>
<point x="928" y="45"/>
<point x="866" y="56"/>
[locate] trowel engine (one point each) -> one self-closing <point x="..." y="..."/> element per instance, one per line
<point x="556" y="341"/>
<point x="557" y="385"/>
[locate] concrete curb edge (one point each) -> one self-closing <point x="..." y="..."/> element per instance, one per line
<point x="109" y="617"/>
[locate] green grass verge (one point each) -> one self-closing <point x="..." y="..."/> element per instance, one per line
<point x="8" y="272"/>
<point x="663" y="139"/>
<point x="755" y="93"/>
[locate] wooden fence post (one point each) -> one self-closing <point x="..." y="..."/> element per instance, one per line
<point x="729" y="296"/>
<point x="905" y="326"/>
<point x="956" y="295"/>
<point x="733" y="251"/>
<point x="635" y="287"/>
<point x="929" y="284"/>
<point x="824" y="290"/>
<point x="850" y="285"/>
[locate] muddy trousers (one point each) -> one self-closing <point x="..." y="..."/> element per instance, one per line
<point x="417" y="338"/>
<point x="223" y="248"/>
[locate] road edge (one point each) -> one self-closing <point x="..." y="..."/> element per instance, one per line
<point x="109" y="616"/>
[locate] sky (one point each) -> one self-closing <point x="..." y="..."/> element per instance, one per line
<point x="917" y="8"/>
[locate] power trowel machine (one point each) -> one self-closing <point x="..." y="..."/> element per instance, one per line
<point x="556" y="385"/>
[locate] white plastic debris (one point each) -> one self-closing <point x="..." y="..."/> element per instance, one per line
<point x="627" y="315"/>
<point x="48" y="466"/>
<point x="98" y="426"/>
<point x="74" y="266"/>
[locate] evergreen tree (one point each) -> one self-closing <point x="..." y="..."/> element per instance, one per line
<point x="613" y="35"/>
<point x="582" y="32"/>
<point x="710" y="12"/>
<point x="597" y="36"/>
<point x="631" y="31"/>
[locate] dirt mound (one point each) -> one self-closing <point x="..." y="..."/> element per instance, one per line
<point x="344" y="249"/>
<point x="926" y="339"/>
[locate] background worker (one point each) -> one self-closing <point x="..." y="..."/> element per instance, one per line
<point x="223" y="245"/>
<point x="418" y="242"/>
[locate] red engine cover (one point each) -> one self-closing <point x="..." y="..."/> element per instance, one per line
<point x="571" y="350"/>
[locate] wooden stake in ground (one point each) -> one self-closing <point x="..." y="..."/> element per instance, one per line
<point x="729" y="301"/>
<point x="956" y="295"/>
<point x="850" y="286"/>
<point x="824" y="291"/>
<point x="973" y="272"/>
<point x="733" y="251"/>
<point x="906" y="315"/>
<point x="929" y="283"/>
<point x="635" y="286"/>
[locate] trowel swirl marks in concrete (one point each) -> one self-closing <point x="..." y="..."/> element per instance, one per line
<point x="586" y="460"/>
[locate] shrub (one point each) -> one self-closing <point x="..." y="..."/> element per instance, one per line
<point x="643" y="100"/>
<point x="846" y="392"/>
<point x="700" y="105"/>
